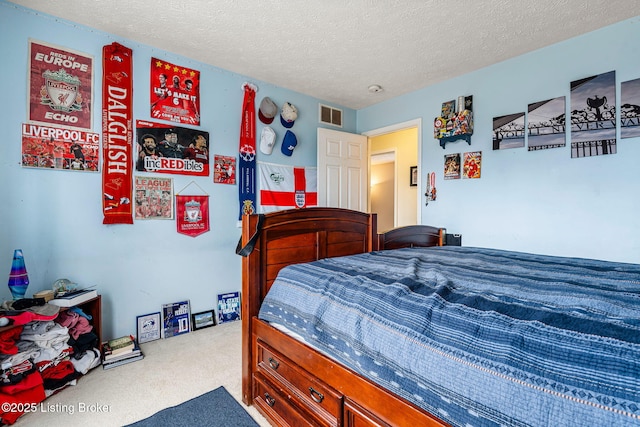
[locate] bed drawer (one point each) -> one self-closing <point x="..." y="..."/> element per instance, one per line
<point x="276" y="407"/>
<point x="322" y="401"/>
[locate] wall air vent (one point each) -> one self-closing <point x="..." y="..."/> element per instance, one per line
<point x="330" y="115"/>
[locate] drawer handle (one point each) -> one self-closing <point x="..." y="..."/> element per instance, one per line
<point x="270" y="400"/>
<point x="316" y="395"/>
<point x="273" y="363"/>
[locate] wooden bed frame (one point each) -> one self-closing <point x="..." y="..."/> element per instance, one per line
<point x="290" y="383"/>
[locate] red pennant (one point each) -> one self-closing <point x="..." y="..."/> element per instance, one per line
<point x="192" y="215"/>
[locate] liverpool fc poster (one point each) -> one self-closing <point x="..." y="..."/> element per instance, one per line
<point x="165" y="148"/>
<point x="59" y="148"/>
<point x="175" y="93"/>
<point x="60" y="86"/>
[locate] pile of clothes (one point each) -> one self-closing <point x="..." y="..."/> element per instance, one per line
<point x="43" y="351"/>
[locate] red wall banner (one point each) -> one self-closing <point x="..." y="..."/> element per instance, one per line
<point x="192" y="215"/>
<point x="117" y="134"/>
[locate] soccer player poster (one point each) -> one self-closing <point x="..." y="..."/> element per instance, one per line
<point x="175" y="93"/>
<point x="165" y="148"/>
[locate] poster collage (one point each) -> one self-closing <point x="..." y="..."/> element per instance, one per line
<point x="592" y="121"/>
<point x="59" y="134"/>
<point x="592" y="124"/>
<point x="454" y="123"/>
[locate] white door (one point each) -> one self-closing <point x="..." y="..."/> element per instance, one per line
<point x="343" y="170"/>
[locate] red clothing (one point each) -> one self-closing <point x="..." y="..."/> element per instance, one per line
<point x="196" y="154"/>
<point x="29" y="391"/>
<point x="8" y="340"/>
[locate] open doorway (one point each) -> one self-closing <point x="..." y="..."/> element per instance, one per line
<point x="382" y="192"/>
<point x="402" y="141"/>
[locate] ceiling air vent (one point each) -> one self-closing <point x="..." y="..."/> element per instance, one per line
<point x="330" y="115"/>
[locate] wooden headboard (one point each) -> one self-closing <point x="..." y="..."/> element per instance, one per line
<point x="411" y="236"/>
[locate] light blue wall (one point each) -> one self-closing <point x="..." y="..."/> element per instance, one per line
<point x="56" y="216"/>
<point x="533" y="201"/>
<point x="544" y="201"/>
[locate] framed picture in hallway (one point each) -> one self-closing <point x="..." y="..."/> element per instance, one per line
<point x="413" y="176"/>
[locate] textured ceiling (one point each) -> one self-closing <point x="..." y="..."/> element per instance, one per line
<point x="335" y="49"/>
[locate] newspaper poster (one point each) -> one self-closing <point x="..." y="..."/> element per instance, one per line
<point x="154" y="198"/>
<point x="49" y="147"/>
<point x="224" y="169"/>
<point x="165" y="148"/>
<point x="175" y="93"/>
<point x="60" y="86"/>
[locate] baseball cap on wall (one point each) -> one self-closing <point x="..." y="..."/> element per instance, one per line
<point x="288" y="115"/>
<point x="267" y="110"/>
<point x="289" y="143"/>
<point x="267" y="140"/>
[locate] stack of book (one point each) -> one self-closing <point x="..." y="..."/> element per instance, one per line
<point x="120" y="351"/>
<point x="71" y="299"/>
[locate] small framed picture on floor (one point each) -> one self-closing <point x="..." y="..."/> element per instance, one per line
<point x="204" y="319"/>
<point x="148" y="327"/>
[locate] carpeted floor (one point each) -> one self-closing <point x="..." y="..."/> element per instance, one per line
<point x="216" y="408"/>
<point x="173" y="371"/>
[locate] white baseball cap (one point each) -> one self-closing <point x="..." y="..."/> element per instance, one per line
<point x="288" y="115"/>
<point x="267" y="139"/>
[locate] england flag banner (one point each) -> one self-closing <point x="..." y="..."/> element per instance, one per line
<point x="287" y="187"/>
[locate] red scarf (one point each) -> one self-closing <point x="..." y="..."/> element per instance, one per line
<point x="117" y="134"/>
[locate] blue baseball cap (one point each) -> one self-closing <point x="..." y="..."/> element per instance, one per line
<point x="289" y="143"/>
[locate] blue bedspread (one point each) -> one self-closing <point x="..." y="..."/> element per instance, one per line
<point x="478" y="337"/>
